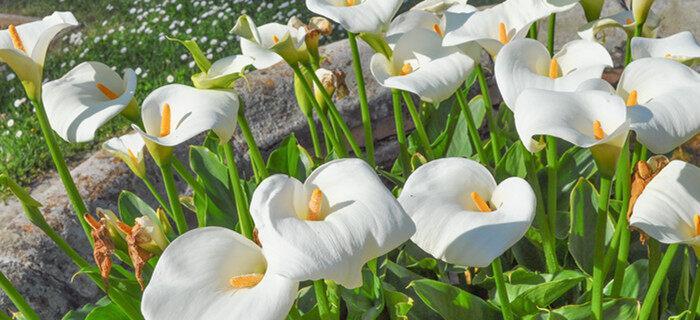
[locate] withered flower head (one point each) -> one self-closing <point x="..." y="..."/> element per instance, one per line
<point x="139" y="256"/>
<point x="322" y="25"/>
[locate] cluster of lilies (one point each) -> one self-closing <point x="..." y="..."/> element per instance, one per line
<point x="343" y="216"/>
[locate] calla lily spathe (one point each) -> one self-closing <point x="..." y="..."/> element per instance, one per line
<point x="222" y="73"/>
<point x="176" y="113"/>
<point x="668" y="208"/>
<point x="86" y="98"/>
<point x="329" y="226"/>
<point x="494" y="27"/>
<point x="357" y="16"/>
<point x="421" y="65"/>
<point x="526" y="63"/>
<point x="128" y="148"/>
<point x="595" y="30"/>
<point x="24" y="48"/>
<point x="437" y="6"/>
<point x="681" y="47"/>
<point x="587" y="118"/>
<point x="451" y="226"/>
<point x="214" y="273"/>
<point x="271" y="43"/>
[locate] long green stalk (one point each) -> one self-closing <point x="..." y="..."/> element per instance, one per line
<point x="550" y="33"/>
<point x="658" y="280"/>
<point x="156" y="194"/>
<point x="493" y="127"/>
<point x="451" y="125"/>
<point x="17" y="299"/>
<point x="4" y="316"/>
<point x="335" y="114"/>
<point x="315" y="140"/>
<point x="60" y="163"/>
<point x="655" y="257"/>
<point x="255" y="156"/>
<point x="501" y="289"/>
<point x="244" y="219"/>
<point x="623" y="179"/>
<point x="695" y="296"/>
<point x="321" y="299"/>
<point x="471" y="126"/>
<point x="532" y="34"/>
<point x="599" y="248"/>
<point x="400" y="132"/>
<point x="548" y="240"/>
<point x="420" y="128"/>
<point x="176" y="213"/>
<point x="552" y="180"/>
<point x="324" y="121"/>
<point x="362" y="94"/>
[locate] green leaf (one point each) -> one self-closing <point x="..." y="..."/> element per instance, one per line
<point x="398" y="304"/>
<point x="213" y="175"/>
<point x="453" y="303"/>
<point x="109" y="311"/>
<point x="199" y="57"/>
<point x="286" y="159"/>
<point x="461" y="146"/>
<point x="635" y="280"/>
<point x="618" y="309"/>
<point x="542" y="295"/>
<point x="513" y="163"/>
<point x="82" y="313"/>
<point x="574" y="163"/>
<point x="131" y="207"/>
<point x="584" y="203"/>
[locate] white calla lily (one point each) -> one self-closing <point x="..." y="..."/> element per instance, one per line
<point x="357" y="16"/>
<point x="681" y="47"/>
<point x="214" y="273"/>
<point x="86" y="98"/>
<point x="494" y="27"/>
<point x="664" y="104"/>
<point x="437" y="6"/>
<point x="24" y="47"/>
<point x="589" y="119"/>
<point x="421" y="65"/>
<point x="596" y="30"/>
<point x="441" y="197"/>
<point x="222" y="73"/>
<point x="271" y="43"/>
<point x="329" y="226"/>
<point x="526" y="63"/>
<point x="128" y="148"/>
<point x="668" y="209"/>
<point x="176" y="113"/>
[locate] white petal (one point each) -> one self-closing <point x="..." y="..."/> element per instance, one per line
<point x="448" y="224"/>
<point x="596" y="84"/>
<point x="517" y="15"/>
<point x="582" y="54"/>
<point x="262" y="58"/>
<point x="193" y="111"/>
<point x="409" y="21"/>
<point x="437" y="6"/>
<point x="121" y="146"/>
<point x="371" y="16"/>
<point x="22" y="64"/>
<point x="570" y="116"/>
<point x="666" y="207"/>
<point x="680" y="46"/>
<point x="590" y="30"/>
<point x="191" y="280"/>
<point x="76" y="108"/>
<point x="229" y="65"/>
<point x="365" y="221"/>
<point x="36" y="36"/>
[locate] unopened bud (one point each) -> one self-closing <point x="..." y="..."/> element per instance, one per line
<point x="640" y="9"/>
<point x="322" y="24"/>
<point x="151" y="237"/>
<point x="333" y="82"/>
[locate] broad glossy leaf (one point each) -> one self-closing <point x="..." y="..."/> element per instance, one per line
<point x="132" y="207"/>
<point x="398" y="304"/>
<point x="80" y="314"/>
<point x="635" y="281"/>
<point x="453" y="303"/>
<point x="213" y="175"/>
<point x="513" y="163"/>
<point x="461" y="144"/>
<point x="286" y="159"/>
<point x="584" y="203"/>
<point x="543" y="294"/>
<point x="109" y="311"/>
<point x="618" y="309"/>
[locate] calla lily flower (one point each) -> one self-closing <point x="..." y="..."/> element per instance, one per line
<point x="526" y="63"/>
<point x="494" y="27"/>
<point x="462" y="216"/>
<point x="176" y="113"/>
<point x="329" y="226"/>
<point x="222" y="73"/>
<point x="420" y="64"/>
<point x="437" y="6"/>
<point x="680" y="47"/>
<point x="357" y="16"/>
<point x="86" y="98"/>
<point x="270" y="43"/>
<point x="24" y="47"/>
<point x="623" y="20"/>
<point x="668" y="209"/>
<point x="589" y="119"/>
<point x="128" y="148"/>
<point x="214" y="273"/>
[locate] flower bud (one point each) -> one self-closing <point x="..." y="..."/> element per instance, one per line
<point x="333" y="82"/>
<point x="321" y="24"/>
<point x="150" y="236"/>
<point x="640" y="9"/>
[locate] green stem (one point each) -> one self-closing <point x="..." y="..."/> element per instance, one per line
<point x="418" y="122"/>
<point x="318" y="152"/>
<point x="550" y="33"/>
<point x="4" y="316"/>
<point x="17" y="299"/>
<point x="451" y="125"/>
<point x="400" y="132"/>
<point x="471" y="126"/>
<point x="695" y="295"/>
<point x="324" y="121"/>
<point x="187" y="176"/>
<point x="256" y="158"/>
<point x="60" y="163"/>
<point x="552" y="180"/>
<point x="176" y="213"/>
<point x="493" y="128"/>
<point x="548" y="239"/>
<point x="655" y="257"/>
<point x="364" y="106"/>
<point x="156" y="194"/>
<point x="501" y="289"/>
<point x="532" y="34"/>
<point x="244" y="219"/>
<point x="623" y="179"/>
<point x="599" y="248"/>
<point x="335" y="114"/>
<point x="658" y="280"/>
<point x="321" y="299"/>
